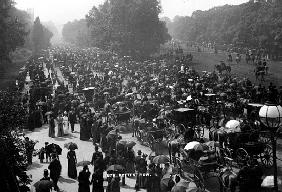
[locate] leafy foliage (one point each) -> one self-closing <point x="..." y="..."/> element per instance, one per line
<point x="249" y="24"/>
<point x="12" y="149"/>
<point x="41" y="36"/>
<point x="76" y="32"/>
<point x="128" y="27"/>
<point x="12" y="30"/>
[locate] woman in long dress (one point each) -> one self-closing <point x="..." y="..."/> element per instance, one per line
<point x="60" y="121"/>
<point x="72" y="172"/>
<point x="66" y="123"/>
<point x="83" y="180"/>
<point x="51" y="127"/>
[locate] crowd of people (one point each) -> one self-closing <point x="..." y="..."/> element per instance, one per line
<point x="69" y="86"/>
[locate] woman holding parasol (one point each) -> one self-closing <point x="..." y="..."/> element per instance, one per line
<point x="71" y="156"/>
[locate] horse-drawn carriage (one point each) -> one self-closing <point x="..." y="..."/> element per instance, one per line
<point x="120" y="113"/>
<point x="243" y="146"/>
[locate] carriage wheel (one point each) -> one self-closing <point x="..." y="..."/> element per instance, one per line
<point x="264" y="138"/>
<point x="242" y="156"/>
<point x="266" y="156"/>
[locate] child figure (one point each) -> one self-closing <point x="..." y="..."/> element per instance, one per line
<point x="41" y="154"/>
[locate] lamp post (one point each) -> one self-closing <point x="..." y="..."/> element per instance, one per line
<point x="270" y="115"/>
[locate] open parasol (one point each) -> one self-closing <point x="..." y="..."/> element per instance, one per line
<point x="48" y="113"/>
<point x="71" y="146"/>
<point x="115" y="168"/>
<point x="232" y="126"/>
<point x="43" y="185"/>
<point x="255" y="104"/>
<point x="83" y="163"/>
<point x="209" y="94"/>
<point x="52" y="146"/>
<point x="194" y="145"/>
<point x="40" y="103"/>
<point x="161" y="159"/>
<point x="183" y="109"/>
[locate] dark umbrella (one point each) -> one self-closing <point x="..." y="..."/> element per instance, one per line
<point x="43" y="185"/>
<point x="71" y="146"/>
<point x="57" y="147"/>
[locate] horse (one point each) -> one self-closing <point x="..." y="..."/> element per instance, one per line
<point x="222" y="67"/>
<point x="260" y="72"/>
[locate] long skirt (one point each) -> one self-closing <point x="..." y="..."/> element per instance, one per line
<point x="72" y="172"/>
<point x="130" y="167"/>
<point x="60" y="130"/>
<point x="51" y="131"/>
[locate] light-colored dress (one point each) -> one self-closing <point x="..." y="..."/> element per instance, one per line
<point x="66" y="124"/>
<point x="60" y="121"/>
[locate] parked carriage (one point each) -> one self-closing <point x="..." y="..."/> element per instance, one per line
<point x="247" y="146"/>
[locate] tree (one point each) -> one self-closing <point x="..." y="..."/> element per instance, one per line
<point x="128" y="27"/>
<point x="253" y="25"/>
<point x="76" y="32"/>
<point x="12" y="30"/>
<point x="41" y="36"/>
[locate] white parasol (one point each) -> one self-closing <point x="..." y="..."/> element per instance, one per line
<point x="194" y="145"/>
<point x="232" y="126"/>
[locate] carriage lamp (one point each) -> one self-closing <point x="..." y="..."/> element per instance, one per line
<point x="270" y="115"/>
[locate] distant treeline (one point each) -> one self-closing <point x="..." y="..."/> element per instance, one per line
<point x="17" y="29"/>
<point x="127" y="27"/>
<point x="252" y="24"/>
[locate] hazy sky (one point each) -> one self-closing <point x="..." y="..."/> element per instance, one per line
<point x="62" y="11"/>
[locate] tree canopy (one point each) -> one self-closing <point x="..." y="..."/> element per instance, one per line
<point x="250" y="24"/>
<point x="41" y="36"/>
<point x="128" y="27"/>
<point x="76" y="32"/>
<point x="12" y="29"/>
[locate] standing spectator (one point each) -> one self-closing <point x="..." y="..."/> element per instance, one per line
<point x="114" y="185"/>
<point x="83" y="180"/>
<point x="29" y="147"/>
<point x="72" y="119"/>
<point x="51" y="126"/>
<point x="55" y="168"/>
<point x="41" y="154"/>
<point x="72" y="172"/>
<point x="95" y="157"/>
<point x="45" y="175"/>
<point x="130" y="160"/>
<point x="60" y="121"/>
<point x="97" y="181"/>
